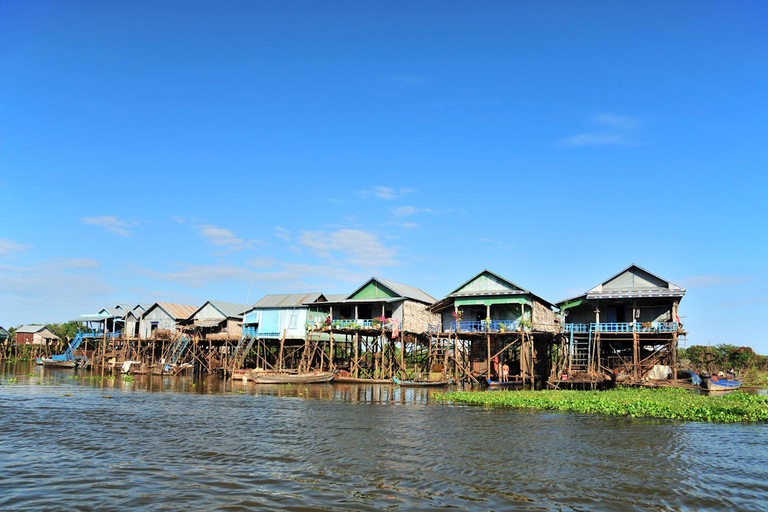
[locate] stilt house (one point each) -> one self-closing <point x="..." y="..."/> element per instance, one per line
<point x="163" y="318"/>
<point x="628" y="324"/>
<point x="217" y="320"/>
<point x="35" y="335"/>
<point x="278" y="315"/>
<point x="496" y="330"/>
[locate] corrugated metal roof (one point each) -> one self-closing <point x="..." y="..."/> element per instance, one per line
<point x="336" y="297"/>
<point x="404" y="290"/>
<point x="30" y="329"/>
<point x="124" y="307"/>
<point x="177" y="311"/>
<point x="4" y="331"/>
<point x="286" y="300"/>
<point x="227" y="309"/>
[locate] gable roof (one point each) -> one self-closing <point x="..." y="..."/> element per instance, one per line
<point x="286" y="300"/>
<point x="493" y="284"/>
<point x="176" y="311"/>
<point x="632" y="282"/>
<point x="30" y="329"/>
<point x="35" y="329"/>
<point x="484" y="284"/>
<point x="227" y="309"/>
<point x="4" y="332"/>
<point x="401" y="291"/>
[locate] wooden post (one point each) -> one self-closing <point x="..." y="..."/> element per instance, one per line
<point x="636" y="355"/>
<point x="280" y="355"/>
<point x="356" y="364"/>
<point x="488" y="365"/>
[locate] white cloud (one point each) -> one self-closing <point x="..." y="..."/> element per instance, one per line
<point x="354" y="246"/>
<point x="613" y="130"/>
<point x="386" y="193"/>
<point x="283" y="233"/>
<point x="223" y="237"/>
<point x="593" y="139"/>
<point x="405" y="211"/>
<point x="51" y="291"/>
<point x="9" y="248"/>
<point x="197" y="276"/>
<point x="110" y="224"/>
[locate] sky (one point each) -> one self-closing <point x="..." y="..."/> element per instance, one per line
<point x="184" y="151"/>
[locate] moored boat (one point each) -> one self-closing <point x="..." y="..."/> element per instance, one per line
<point x="715" y="383"/>
<point x="290" y="378"/>
<point x="54" y="363"/>
<point x="420" y="383"/>
<point x="502" y="384"/>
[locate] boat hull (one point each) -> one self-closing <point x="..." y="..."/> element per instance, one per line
<point x="720" y="384"/>
<point x="290" y="378"/>
<point x="56" y="364"/>
<point x="420" y="383"/>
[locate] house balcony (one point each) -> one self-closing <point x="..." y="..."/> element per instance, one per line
<point x="484" y="326"/>
<point x="365" y="323"/>
<point x="622" y="327"/>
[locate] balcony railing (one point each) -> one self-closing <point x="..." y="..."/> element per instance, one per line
<point x="483" y="326"/>
<point x="623" y="327"/>
<point x="101" y="334"/>
<point x="356" y="324"/>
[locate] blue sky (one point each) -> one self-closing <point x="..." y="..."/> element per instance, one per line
<point x="187" y="151"/>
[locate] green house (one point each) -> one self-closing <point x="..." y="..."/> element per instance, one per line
<point x="489" y="302"/>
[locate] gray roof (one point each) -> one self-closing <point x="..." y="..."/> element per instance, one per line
<point x="31" y="329"/>
<point x="228" y="309"/>
<point x="124" y="307"/>
<point x="286" y="300"/>
<point x="336" y="297"/>
<point x="403" y="290"/>
<point x="3" y="331"/>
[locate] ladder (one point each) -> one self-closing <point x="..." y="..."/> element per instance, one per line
<point x="178" y="348"/>
<point x="68" y="355"/>
<point x="247" y="339"/>
<point x="579" y="351"/>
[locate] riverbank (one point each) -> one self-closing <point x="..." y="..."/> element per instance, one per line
<point x="666" y="403"/>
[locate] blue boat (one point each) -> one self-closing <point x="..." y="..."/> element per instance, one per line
<point x="715" y="383"/>
<point x="502" y="384"/>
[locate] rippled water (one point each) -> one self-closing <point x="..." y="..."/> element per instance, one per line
<point x="78" y="442"/>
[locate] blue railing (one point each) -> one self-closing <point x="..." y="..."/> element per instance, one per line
<point x="623" y="327"/>
<point x="483" y="326"/>
<point x="356" y="324"/>
<point x="101" y="334"/>
<point x="249" y="331"/>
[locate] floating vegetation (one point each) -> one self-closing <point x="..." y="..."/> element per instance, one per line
<point x="128" y="378"/>
<point x="669" y="403"/>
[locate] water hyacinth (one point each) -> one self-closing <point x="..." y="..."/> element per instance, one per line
<point x="668" y="403"/>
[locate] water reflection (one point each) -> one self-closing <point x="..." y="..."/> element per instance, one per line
<point x="91" y="442"/>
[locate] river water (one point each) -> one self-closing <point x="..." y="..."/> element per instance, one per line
<point x="79" y="442"/>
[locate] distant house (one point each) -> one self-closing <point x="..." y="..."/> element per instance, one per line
<point x="3" y="335"/>
<point x="217" y="320"/>
<point x="133" y="320"/>
<point x="163" y="316"/>
<point x="35" y="335"/>
<point x="277" y="314"/>
<point x="488" y="296"/>
<point x="405" y="305"/>
<point x="628" y="324"/>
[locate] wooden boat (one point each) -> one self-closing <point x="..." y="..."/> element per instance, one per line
<point x="290" y="378"/>
<point x="719" y="384"/>
<point x="53" y="363"/>
<point x="420" y="383"/>
<point x="355" y="380"/>
<point x="502" y="384"/>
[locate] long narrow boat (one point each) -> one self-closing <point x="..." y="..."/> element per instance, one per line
<point x="290" y="378"/>
<point x="420" y="383"/>
<point x="720" y="384"/>
<point x="357" y="380"/>
<point x="45" y="361"/>
<point x="502" y="384"/>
